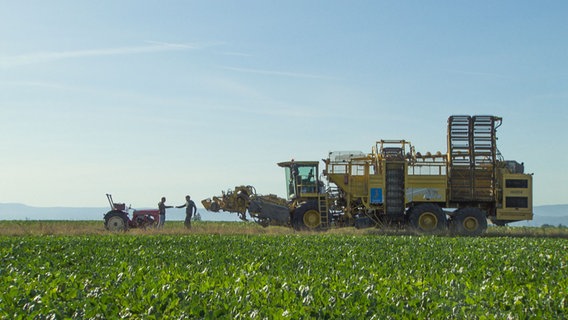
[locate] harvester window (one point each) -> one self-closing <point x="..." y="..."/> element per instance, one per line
<point x="358" y="168"/>
<point x="338" y="168"/>
<point x="516" y="202"/>
<point x="516" y="183"/>
<point x="306" y="175"/>
<point x="307" y="178"/>
<point x="291" y="174"/>
<point x="431" y="170"/>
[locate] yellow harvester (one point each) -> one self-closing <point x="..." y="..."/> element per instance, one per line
<point x="396" y="186"/>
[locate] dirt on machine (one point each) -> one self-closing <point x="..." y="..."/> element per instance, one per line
<point x="395" y="186"/>
<point x="263" y="209"/>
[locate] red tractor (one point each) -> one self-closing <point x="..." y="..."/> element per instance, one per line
<point x="117" y="218"/>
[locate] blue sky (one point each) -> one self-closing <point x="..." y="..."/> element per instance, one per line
<point x="145" y="99"/>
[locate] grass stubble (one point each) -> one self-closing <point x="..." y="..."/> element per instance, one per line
<point x="79" y="228"/>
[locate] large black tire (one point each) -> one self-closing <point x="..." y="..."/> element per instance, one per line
<point x="428" y="218"/>
<point x="469" y="222"/>
<point x="307" y="217"/>
<point x="116" y="221"/>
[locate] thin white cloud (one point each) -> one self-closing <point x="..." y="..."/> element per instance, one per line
<point x="37" y="84"/>
<point x="270" y="109"/>
<point x="48" y="56"/>
<point x="481" y="74"/>
<point x="173" y="45"/>
<point x="236" y="54"/>
<point x="277" y="73"/>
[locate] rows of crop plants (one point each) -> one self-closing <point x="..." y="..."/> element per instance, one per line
<point x="282" y="276"/>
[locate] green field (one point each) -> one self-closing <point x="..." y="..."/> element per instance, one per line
<point x="177" y="274"/>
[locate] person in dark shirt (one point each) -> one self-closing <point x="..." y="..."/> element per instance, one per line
<point x="190" y="210"/>
<point x="162" y="207"/>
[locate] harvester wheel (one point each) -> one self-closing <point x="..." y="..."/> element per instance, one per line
<point x="312" y="219"/>
<point x="428" y="218"/>
<point x="469" y="222"/>
<point x="306" y="217"/>
<point x="116" y="221"/>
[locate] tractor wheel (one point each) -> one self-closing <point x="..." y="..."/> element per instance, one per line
<point x="469" y="222"/>
<point x="428" y="218"/>
<point x="306" y="217"/>
<point x="116" y="221"/>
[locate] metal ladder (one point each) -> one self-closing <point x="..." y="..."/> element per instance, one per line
<point x="324" y="211"/>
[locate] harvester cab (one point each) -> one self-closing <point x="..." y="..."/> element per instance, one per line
<point x="308" y="203"/>
<point x="302" y="179"/>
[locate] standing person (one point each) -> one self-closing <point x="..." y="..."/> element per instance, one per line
<point x="162" y="207"/>
<point x="190" y="209"/>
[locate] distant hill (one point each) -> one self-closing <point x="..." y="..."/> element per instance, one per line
<point x="548" y="214"/>
<point x="551" y="215"/>
<point x="17" y="211"/>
